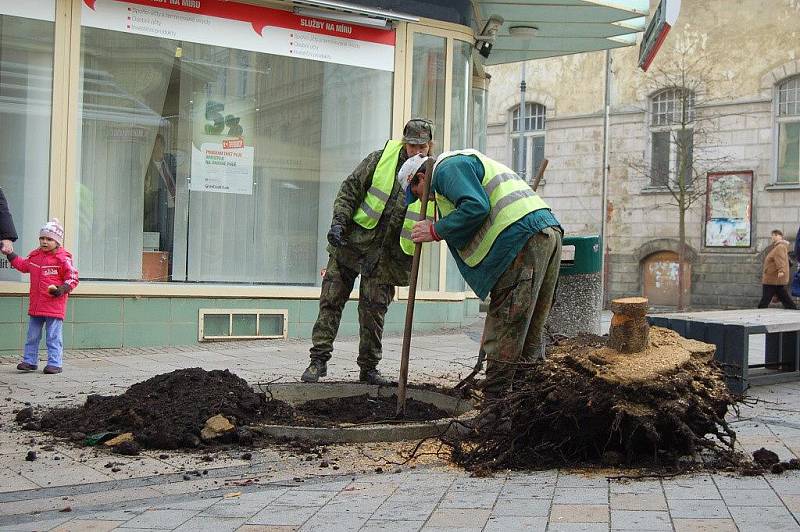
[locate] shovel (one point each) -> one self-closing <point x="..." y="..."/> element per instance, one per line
<point x="412" y="293"/>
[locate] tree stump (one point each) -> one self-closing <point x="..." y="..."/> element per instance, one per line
<point x="630" y="332"/>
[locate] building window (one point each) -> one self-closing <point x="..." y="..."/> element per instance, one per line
<point x="671" y="136"/>
<point x="789" y="131"/>
<point x="527" y="138"/>
<point x="26" y="82"/>
<point x="195" y="159"/>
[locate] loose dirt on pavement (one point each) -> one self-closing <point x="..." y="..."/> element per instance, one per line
<point x="168" y="411"/>
<point x="189" y="408"/>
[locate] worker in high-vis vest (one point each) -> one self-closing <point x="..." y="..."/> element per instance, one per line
<point x="507" y="243"/>
<point x="364" y="239"/>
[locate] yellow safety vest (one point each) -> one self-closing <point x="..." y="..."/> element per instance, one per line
<point x="413" y="216"/>
<point x="383" y="178"/>
<point x="510" y="198"/>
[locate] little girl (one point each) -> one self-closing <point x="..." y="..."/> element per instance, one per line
<point x="53" y="277"/>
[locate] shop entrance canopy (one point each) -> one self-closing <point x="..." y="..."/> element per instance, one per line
<point x="535" y="29"/>
<point x="530" y="29"/>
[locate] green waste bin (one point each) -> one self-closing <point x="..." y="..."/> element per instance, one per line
<point x="577" y="304"/>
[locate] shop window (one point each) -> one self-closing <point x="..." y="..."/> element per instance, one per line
<point x="789" y="131"/>
<point x="460" y="134"/>
<point x="26" y="88"/>
<point x="671" y="136"/>
<point x="527" y="138"/>
<point x="427" y="101"/>
<point x="160" y="201"/>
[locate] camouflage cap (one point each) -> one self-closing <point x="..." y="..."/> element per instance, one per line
<point x="418" y="131"/>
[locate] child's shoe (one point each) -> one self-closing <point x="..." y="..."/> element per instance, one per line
<point x="51" y="370"/>
<point x="24" y="366"/>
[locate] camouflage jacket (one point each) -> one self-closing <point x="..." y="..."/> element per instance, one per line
<point x="373" y="252"/>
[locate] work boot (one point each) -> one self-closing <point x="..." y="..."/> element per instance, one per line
<point x="51" y="370"/>
<point x="314" y="371"/>
<point x="24" y="366"/>
<point x="373" y="376"/>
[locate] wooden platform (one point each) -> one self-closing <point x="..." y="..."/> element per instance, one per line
<point x="730" y="330"/>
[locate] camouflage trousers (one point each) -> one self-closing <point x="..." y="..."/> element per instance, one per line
<point x="373" y="301"/>
<point x="520" y="303"/>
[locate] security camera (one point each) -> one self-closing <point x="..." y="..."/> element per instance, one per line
<point x="487" y="36"/>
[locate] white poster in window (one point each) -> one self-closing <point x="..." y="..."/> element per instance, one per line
<point x="225" y="167"/>
<point x="35" y="9"/>
<point x="247" y="27"/>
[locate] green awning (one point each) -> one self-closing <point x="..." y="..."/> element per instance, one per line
<point x="562" y="27"/>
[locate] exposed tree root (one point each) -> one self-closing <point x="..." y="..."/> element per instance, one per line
<point x="578" y="408"/>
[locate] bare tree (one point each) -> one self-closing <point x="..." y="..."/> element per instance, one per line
<point x="683" y="129"/>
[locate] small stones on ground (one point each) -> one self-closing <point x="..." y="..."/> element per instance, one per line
<point x="215" y="427"/>
<point x="31" y="456"/>
<point x="247" y="456"/>
<point x="336" y="467"/>
<point x="207" y="458"/>
<point x="309" y="458"/>
<point x="48" y="448"/>
<point x="778" y="468"/>
<point x="26" y="414"/>
<point x="115" y="470"/>
<point x="118" y="440"/>
<point x="128" y="448"/>
<point x="187" y="477"/>
<point x="324" y="463"/>
<point x="765" y="457"/>
<point x="163" y="456"/>
<point x="66" y="509"/>
<point x="379" y="470"/>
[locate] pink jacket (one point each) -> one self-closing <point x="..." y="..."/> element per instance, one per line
<point x="48" y="268"/>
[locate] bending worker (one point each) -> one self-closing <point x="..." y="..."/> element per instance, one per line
<point x="506" y="242"/>
<point x="364" y="239"/>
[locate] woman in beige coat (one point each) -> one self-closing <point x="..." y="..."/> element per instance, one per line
<point x="776" y="273"/>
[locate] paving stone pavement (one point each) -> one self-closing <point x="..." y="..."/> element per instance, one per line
<point x="278" y="490"/>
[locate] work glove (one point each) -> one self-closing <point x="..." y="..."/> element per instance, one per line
<point x="336" y="235"/>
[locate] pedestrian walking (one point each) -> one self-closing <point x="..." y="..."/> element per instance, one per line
<point x="53" y="277"/>
<point x="364" y="239"/>
<point x="506" y="242"/>
<point x="775" y="273"/>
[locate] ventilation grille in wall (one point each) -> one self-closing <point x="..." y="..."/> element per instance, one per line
<point x="242" y="324"/>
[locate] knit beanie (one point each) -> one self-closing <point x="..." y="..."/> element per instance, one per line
<point x="54" y="230"/>
<point x="407" y="173"/>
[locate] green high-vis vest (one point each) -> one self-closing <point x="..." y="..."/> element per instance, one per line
<point x="371" y="208"/>
<point x="510" y="198"/>
<point x="413" y="216"/>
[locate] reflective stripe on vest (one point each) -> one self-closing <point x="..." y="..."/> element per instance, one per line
<point x="413" y="216"/>
<point x="383" y="178"/>
<point x="510" y="199"/>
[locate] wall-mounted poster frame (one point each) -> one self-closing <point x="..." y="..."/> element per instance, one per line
<point x="729" y="207"/>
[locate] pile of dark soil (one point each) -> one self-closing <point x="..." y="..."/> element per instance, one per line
<point x="589" y="405"/>
<point x="169" y="410"/>
<point x="362" y="409"/>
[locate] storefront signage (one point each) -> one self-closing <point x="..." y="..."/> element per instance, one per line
<point x="35" y="9"/>
<point x="246" y="27"/>
<point x="221" y="159"/>
<point x="217" y="168"/>
<point x="729" y="199"/>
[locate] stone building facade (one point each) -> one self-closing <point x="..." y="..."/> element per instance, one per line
<point x="747" y="105"/>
